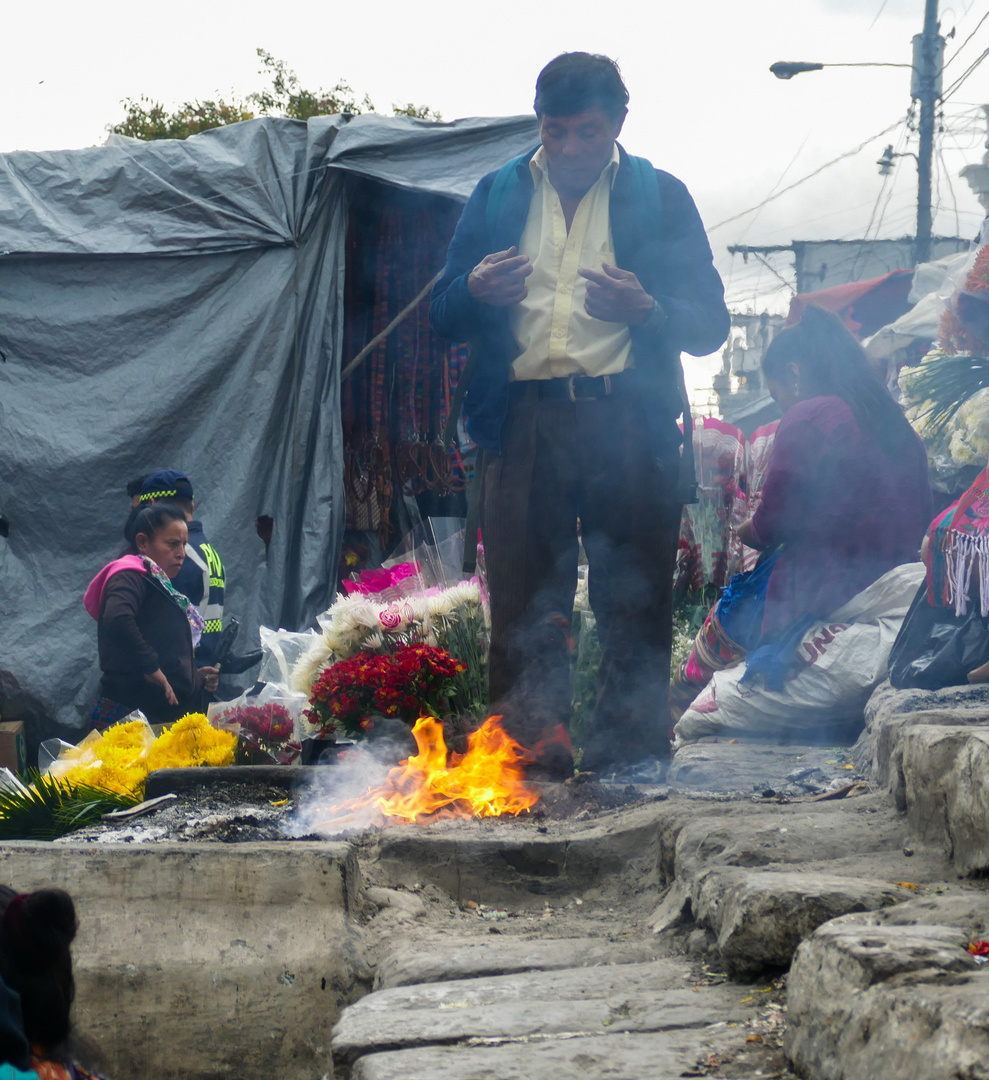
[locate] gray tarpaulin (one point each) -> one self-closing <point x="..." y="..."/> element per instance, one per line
<point x="179" y="305"/>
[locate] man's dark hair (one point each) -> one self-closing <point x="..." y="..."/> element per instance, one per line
<point x="577" y="81"/>
<point x="134" y="486"/>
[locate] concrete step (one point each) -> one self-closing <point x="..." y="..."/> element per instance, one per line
<point x="206" y="960"/>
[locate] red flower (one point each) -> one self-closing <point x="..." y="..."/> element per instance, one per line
<point x="412" y="682"/>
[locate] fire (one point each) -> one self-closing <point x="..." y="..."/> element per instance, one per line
<point x="488" y="780"/>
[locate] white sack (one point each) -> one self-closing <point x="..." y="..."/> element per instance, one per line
<point x="839" y="663"/>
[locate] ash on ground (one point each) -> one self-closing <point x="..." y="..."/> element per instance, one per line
<point x="246" y="812"/>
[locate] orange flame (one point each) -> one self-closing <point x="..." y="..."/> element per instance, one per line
<point x="486" y="781"/>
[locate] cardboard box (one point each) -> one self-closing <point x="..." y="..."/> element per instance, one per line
<point x="13" y="749"/>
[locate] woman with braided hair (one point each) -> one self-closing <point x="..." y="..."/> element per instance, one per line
<point x="36" y="930"/>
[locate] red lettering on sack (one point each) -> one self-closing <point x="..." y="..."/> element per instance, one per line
<point x="817" y="646"/>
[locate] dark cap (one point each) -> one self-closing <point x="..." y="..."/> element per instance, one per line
<point x="166" y="484"/>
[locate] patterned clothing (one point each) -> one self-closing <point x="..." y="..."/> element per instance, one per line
<point x="958" y="546"/>
<point x="56" y="1070"/>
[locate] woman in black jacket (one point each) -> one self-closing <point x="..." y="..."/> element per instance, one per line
<point x="147" y="630"/>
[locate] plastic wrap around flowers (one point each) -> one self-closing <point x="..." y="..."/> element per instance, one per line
<point x="417" y="680"/>
<point x="120" y="758"/>
<point x="453" y="619"/>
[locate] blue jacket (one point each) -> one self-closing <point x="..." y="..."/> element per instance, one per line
<point x="661" y="240"/>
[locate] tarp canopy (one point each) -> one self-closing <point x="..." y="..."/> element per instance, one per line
<point x="179" y="305"/>
<point x="864" y="306"/>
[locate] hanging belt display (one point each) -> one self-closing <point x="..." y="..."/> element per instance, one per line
<point x="395" y="402"/>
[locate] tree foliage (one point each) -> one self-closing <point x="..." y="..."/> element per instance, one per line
<point x="147" y="119"/>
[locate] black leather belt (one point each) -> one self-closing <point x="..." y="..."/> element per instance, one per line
<point x="572" y="387"/>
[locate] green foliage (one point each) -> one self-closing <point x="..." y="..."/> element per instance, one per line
<point x="149" y="120"/>
<point x="417" y="112"/>
<point x="47" y="809"/>
<point x="943" y="385"/>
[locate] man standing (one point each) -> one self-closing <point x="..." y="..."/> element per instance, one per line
<point x="578" y="274"/>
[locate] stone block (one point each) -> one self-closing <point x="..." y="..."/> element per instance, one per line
<point x="502" y="862"/>
<point x="760" y="917"/>
<point x="945" y="777"/>
<point x="582" y="1002"/>
<point x="868" y="998"/>
<point x="206" y="960"/>
<point x="889" y="713"/>
<point x="409" y="963"/>
<point x="663" y="1054"/>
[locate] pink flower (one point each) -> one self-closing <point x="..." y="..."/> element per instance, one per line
<point x="390" y="618"/>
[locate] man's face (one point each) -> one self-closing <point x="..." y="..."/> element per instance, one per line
<point x="578" y="147"/>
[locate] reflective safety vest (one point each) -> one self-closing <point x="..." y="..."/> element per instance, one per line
<point x="202" y="579"/>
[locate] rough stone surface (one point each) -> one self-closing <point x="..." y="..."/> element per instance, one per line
<point x="749" y="764"/>
<point x="765" y="877"/>
<point x="493" y="862"/>
<point x="770" y="834"/>
<point x="203" y="961"/>
<point x="666" y="1054"/>
<point x="585" y="1001"/>
<point x="464" y="957"/>
<point x="761" y="916"/>
<point x="892" y="994"/>
<point x="890" y="712"/>
<point x="945" y="773"/>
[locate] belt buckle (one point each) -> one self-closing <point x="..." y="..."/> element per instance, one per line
<point x="573" y="396"/>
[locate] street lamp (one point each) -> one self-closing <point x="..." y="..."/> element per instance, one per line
<point x="925" y="87"/>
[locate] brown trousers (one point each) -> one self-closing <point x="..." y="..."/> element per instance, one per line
<point x="589" y="460"/>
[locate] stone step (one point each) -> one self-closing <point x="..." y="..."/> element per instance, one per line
<point x="408" y="964"/>
<point x="765" y="878"/>
<point x="576" y="1003"/>
<point x="747" y="764"/>
<point x="892" y="994"/>
<point x="660" y="1055"/>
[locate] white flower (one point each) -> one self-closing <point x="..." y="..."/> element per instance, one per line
<point x="309" y="665"/>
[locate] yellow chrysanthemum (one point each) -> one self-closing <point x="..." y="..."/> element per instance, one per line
<point x="120" y="758"/>
<point x="189" y="742"/>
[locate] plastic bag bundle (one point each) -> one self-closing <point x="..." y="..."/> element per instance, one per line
<point x="839" y="663"/>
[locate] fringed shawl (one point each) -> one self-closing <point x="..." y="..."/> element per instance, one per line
<point x="958" y="546"/>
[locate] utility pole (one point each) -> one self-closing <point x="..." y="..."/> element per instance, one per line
<point x="925" y="87"/>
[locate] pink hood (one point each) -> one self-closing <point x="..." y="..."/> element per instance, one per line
<point x="93" y="596"/>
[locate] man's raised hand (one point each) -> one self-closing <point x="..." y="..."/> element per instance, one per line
<point x="499" y="278"/>
<point x="615" y="295"/>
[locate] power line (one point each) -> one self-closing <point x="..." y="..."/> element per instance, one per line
<point x="809" y="176"/>
<point x="778" y="182"/>
<point x="958" y="82"/>
<point x="882" y="8"/>
<point x="966" y="41"/>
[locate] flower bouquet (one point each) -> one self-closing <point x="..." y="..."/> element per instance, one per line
<point x="453" y="620"/>
<point x="269" y="725"/>
<point x="416" y="680"/>
<point x="119" y="759"/>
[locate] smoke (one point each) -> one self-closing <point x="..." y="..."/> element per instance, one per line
<point x="356" y="771"/>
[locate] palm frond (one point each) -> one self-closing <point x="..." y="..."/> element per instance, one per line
<point x="47" y="808"/>
<point x="944" y="385"/>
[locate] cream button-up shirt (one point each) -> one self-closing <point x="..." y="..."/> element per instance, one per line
<point x="555" y="335"/>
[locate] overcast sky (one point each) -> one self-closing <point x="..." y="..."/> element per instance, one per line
<point x="703" y="104"/>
